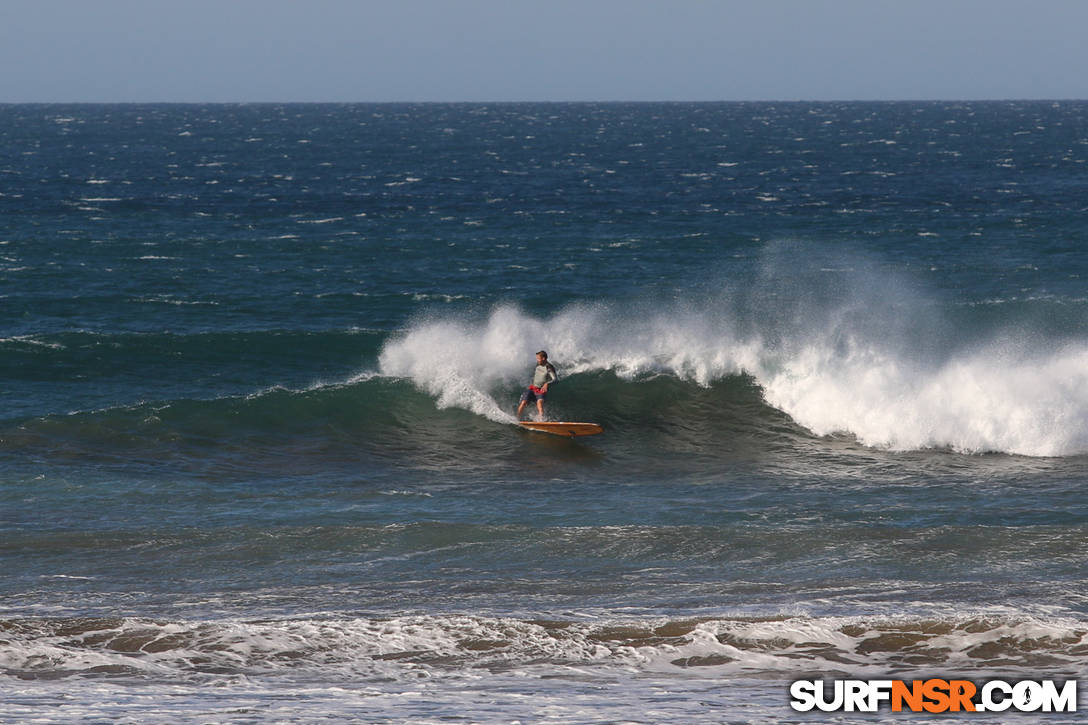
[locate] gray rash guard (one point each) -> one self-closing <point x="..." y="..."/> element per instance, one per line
<point x="544" y="374"/>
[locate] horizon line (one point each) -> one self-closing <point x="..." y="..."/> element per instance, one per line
<point x="542" y="102"/>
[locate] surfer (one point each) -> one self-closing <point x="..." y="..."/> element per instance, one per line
<point x="543" y="376"/>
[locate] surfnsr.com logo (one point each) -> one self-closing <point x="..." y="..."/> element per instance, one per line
<point x="934" y="695"/>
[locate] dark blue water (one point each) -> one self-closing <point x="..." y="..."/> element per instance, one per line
<point x="260" y="365"/>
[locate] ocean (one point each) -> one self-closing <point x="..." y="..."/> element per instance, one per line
<point x="258" y="453"/>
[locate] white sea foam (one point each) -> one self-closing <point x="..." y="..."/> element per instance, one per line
<point x="489" y="669"/>
<point x="460" y="364"/>
<point x="328" y="220"/>
<point x="32" y="340"/>
<point x="407" y="647"/>
<point x="990" y="400"/>
<point x="877" y="361"/>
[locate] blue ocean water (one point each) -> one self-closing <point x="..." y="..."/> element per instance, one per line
<point x="258" y="457"/>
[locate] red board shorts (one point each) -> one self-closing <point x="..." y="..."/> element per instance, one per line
<point x="533" y="393"/>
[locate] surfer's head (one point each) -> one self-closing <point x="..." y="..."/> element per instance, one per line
<point x="542" y="356"/>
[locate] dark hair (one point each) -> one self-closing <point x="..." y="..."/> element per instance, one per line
<point x="544" y="354"/>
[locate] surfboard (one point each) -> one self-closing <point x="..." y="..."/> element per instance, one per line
<point x="569" y="430"/>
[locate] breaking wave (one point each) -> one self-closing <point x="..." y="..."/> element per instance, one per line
<point x="842" y="351"/>
<point x="860" y="353"/>
<point x="424" y="646"/>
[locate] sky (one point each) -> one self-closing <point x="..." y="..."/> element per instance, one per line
<point x="547" y="50"/>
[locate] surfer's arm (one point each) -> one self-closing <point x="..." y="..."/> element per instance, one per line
<point x="551" y="378"/>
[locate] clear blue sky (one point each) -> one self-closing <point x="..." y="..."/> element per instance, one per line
<point x="544" y="50"/>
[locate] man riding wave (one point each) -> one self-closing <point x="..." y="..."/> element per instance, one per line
<point x="543" y="376"/>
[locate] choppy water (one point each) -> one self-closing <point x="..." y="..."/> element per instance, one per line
<point x="260" y="363"/>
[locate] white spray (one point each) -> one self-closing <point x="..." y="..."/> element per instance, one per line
<point x="869" y="360"/>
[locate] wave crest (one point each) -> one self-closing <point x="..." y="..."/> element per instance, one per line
<point x="875" y="360"/>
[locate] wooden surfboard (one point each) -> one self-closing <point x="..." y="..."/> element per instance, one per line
<point x="569" y="430"/>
